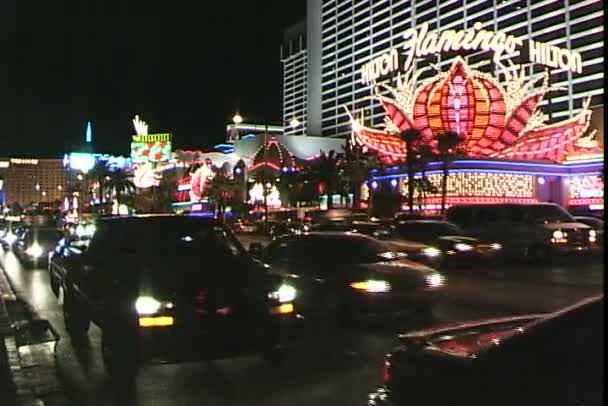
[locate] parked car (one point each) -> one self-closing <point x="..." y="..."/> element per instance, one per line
<point x="536" y="231"/>
<point x="540" y="359"/>
<point x="340" y="276"/>
<point x="169" y="289"/>
<point x="450" y="244"/>
<point x="595" y="223"/>
<point x="370" y="228"/>
<point x="36" y="243"/>
<point x="283" y="228"/>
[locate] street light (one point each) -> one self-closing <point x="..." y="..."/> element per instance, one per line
<point x="294" y="123"/>
<point x="237" y="119"/>
<point x="37" y="187"/>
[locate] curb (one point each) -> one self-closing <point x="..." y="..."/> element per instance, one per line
<point x="31" y="359"/>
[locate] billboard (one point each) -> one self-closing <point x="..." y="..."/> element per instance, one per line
<point x="151" y="148"/>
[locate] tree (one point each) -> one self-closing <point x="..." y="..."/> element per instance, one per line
<point x="100" y="173"/>
<point x="424" y="186"/>
<point x="410" y="137"/>
<point x="324" y="172"/>
<point x="221" y="191"/>
<point x="358" y="165"/>
<point x="448" y="143"/>
<point x="121" y="183"/>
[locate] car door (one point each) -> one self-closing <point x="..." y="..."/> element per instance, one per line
<point x="310" y="262"/>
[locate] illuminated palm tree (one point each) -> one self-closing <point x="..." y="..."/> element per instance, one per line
<point x="358" y="167"/>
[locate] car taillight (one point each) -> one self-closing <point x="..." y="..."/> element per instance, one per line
<point x="387" y="370"/>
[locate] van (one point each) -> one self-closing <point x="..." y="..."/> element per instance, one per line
<point x="530" y="231"/>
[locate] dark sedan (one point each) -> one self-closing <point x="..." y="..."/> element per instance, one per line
<point x="34" y="246"/>
<point x="169" y="289"/>
<point x="445" y="242"/>
<point x="342" y="275"/>
<point x="543" y="359"/>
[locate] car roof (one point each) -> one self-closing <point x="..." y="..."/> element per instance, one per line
<point x="160" y="218"/>
<point x="424" y="222"/>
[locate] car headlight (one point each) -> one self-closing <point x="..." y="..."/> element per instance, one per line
<point x="146" y="305"/>
<point x="559" y="235"/>
<point x="463" y="247"/>
<point x="592" y="236"/>
<point x="372" y="286"/>
<point x="285" y="293"/>
<point x="496" y="246"/>
<point x="435" y="280"/>
<point x="35" y="251"/>
<point x="431" y="252"/>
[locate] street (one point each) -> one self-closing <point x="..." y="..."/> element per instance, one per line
<point x="319" y="370"/>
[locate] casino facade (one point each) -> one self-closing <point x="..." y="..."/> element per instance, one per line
<point x="520" y="81"/>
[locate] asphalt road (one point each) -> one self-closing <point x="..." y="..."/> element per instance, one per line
<point x="321" y="370"/>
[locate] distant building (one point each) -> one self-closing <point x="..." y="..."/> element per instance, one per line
<point x="293" y="56"/>
<point x="30" y="180"/>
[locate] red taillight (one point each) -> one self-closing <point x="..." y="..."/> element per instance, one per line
<point x="387" y="370"/>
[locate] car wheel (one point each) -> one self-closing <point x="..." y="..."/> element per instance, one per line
<point x="76" y="322"/>
<point x="119" y="357"/>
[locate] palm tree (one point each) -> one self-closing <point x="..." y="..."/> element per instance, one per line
<point x="447" y="144"/>
<point x="325" y="173"/>
<point x="426" y="156"/>
<point x="221" y="190"/>
<point x="100" y="173"/>
<point x="358" y="167"/>
<point x="121" y="183"/>
<point x="410" y="137"/>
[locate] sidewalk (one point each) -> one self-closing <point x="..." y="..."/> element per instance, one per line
<point x="28" y="375"/>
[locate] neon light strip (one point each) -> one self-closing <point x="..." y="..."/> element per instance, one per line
<point x="264" y="164"/>
<point x="385" y="177"/>
<point x="179" y="204"/>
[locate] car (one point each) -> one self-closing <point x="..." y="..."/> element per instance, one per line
<point x="279" y="229"/>
<point x="373" y="229"/>
<point x="343" y="276"/>
<point x="9" y="234"/>
<point x="169" y="288"/>
<point x="539" y="359"/>
<point x="596" y="223"/>
<point x="34" y="246"/>
<point x="537" y="232"/>
<point x="450" y="244"/>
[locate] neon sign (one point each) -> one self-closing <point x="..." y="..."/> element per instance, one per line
<point x="420" y="42"/>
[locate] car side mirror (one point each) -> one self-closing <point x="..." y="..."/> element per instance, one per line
<point x="255" y="249"/>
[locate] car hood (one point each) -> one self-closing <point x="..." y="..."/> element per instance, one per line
<point x="406" y="245"/>
<point x="401" y="273"/>
<point x="458" y="238"/>
<point x="566" y="226"/>
<point x="466" y="339"/>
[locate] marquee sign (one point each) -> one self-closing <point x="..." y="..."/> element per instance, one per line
<point x="494" y="119"/>
<point x="149" y="147"/>
<point x="420" y="42"/>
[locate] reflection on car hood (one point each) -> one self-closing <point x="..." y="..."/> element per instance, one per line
<point x="406" y="245"/>
<point x="459" y="238"/>
<point x="566" y="226"/>
<point x="397" y="267"/>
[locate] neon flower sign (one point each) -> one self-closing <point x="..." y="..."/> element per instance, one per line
<point x="496" y="120"/>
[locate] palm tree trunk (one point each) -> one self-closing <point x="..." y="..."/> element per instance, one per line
<point x="357" y="196"/>
<point x="118" y="198"/>
<point x="444" y="185"/>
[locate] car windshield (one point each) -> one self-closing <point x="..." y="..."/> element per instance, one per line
<point x="50" y="236"/>
<point x="420" y="231"/>
<point x="347" y="249"/>
<point x="549" y="214"/>
<point x="183" y="238"/>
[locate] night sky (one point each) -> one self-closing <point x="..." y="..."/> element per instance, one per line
<point x="183" y="66"/>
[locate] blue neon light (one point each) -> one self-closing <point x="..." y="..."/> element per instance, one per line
<point x="89" y="134"/>
<point x="244" y="137"/>
<point x="386" y="177"/>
